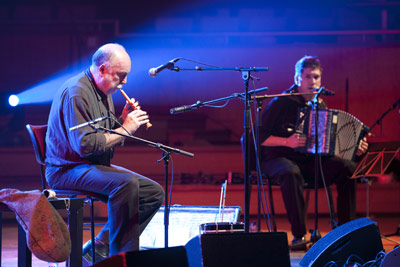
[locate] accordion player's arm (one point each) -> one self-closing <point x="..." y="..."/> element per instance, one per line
<point x="293" y="141"/>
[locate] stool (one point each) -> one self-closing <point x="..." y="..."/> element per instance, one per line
<point x="38" y="137"/>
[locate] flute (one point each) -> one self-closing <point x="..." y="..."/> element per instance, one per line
<point x="148" y="125"/>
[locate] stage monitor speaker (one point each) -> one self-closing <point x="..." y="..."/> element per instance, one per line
<point x="359" y="237"/>
<point x="184" y="224"/>
<point x="238" y="249"/>
<point x="392" y="258"/>
<point x="172" y="256"/>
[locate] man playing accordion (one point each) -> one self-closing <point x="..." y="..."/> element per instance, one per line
<point x="292" y="169"/>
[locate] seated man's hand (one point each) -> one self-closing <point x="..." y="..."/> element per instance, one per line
<point x="296" y="140"/>
<point x="128" y="108"/>
<point x="363" y="147"/>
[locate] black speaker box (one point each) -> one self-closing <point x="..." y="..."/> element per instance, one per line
<point x="359" y="237"/>
<point x="173" y="256"/>
<point x="238" y="249"/>
<point x="392" y="258"/>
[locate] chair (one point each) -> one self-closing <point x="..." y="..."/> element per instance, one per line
<point x="37" y="134"/>
<point x="270" y="183"/>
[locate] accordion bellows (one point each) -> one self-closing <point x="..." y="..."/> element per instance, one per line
<point x="339" y="133"/>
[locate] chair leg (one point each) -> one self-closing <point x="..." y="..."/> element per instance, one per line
<point x="24" y="254"/>
<point x="75" y="223"/>
<point x="331" y="208"/>
<point x="271" y="201"/>
<point x="1" y="234"/>
<point x="92" y="229"/>
<point x="307" y="201"/>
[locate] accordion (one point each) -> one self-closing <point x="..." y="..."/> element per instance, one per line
<point x="339" y="133"/>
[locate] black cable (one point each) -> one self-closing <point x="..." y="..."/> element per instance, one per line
<point x="330" y="264"/>
<point x="332" y="217"/>
<point x="118" y="123"/>
<point x="172" y="181"/>
<point x="264" y="204"/>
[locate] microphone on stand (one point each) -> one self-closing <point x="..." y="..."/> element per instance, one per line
<point x="395" y="104"/>
<point x="169" y="65"/>
<point x="326" y="92"/>
<point x="88" y="123"/>
<point x="184" y="108"/>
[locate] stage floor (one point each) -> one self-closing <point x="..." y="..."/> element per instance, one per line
<point x="387" y="225"/>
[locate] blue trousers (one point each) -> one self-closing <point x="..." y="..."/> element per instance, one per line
<point x="132" y="199"/>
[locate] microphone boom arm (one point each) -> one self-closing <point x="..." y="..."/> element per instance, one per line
<point x="200" y="104"/>
<point x="197" y="68"/>
<point x="160" y="146"/>
<point x="397" y="103"/>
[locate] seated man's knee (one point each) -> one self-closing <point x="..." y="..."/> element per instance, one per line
<point x="281" y="168"/>
<point x="159" y="194"/>
<point x="289" y="175"/>
<point x="128" y="186"/>
<point x="289" y="172"/>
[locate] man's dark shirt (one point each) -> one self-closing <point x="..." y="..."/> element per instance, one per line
<point x="78" y="101"/>
<point x="280" y="118"/>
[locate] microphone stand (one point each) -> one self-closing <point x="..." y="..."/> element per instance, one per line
<point x="379" y="121"/>
<point x="166" y="153"/>
<point x="315" y="234"/>
<point x="259" y="103"/>
<point x="197" y="68"/>
<point x="246" y="76"/>
<point x="199" y="104"/>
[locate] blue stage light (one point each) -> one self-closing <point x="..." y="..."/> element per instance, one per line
<point x="13" y="100"/>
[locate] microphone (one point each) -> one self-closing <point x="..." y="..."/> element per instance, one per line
<point x="169" y="65"/>
<point x="326" y="92"/>
<point x="185" y="108"/>
<point x="88" y="123"/>
<point x="397" y="103"/>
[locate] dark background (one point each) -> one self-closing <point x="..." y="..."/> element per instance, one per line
<point x="356" y="41"/>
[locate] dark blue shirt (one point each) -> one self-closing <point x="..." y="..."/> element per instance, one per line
<point x="78" y="101"/>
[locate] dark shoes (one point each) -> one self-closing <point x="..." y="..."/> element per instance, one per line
<point x="101" y="252"/>
<point x="298" y="244"/>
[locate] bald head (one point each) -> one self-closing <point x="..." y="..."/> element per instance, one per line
<point x="108" y="53"/>
<point x="110" y="67"/>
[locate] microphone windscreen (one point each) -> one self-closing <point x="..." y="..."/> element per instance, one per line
<point x="153" y="72"/>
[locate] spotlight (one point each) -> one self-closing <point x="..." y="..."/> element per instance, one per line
<point x="13" y="100"/>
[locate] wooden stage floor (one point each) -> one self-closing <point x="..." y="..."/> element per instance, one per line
<point x="387" y="224"/>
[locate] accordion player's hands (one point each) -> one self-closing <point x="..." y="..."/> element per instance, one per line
<point x="363" y="147"/>
<point x="296" y="140"/>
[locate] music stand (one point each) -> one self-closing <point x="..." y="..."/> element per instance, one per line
<point x="373" y="164"/>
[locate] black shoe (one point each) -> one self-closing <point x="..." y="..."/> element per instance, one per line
<point x="298" y="244"/>
<point x="102" y="251"/>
